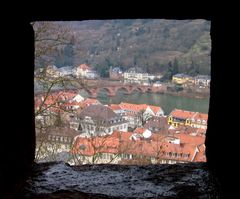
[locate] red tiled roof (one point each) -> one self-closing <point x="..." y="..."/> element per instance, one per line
<point x="84" y="67"/>
<point x="98" y="112"/>
<point x="132" y="107"/>
<point x="120" y="142"/>
<point x="115" y="107"/>
<point x="201" y="116"/>
<point x="89" y="101"/>
<point x="177" y="113"/>
<point x="139" y="107"/>
<point x="200" y="156"/>
<point x="182" y="114"/>
<point x="155" y="109"/>
<point x="139" y="130"/>
<point x="189" y="139"/>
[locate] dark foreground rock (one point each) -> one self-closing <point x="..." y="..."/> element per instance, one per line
<point x="59" y="180"/>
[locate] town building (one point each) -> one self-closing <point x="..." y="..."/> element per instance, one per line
<point x="85" y="71"/>
<point x="117" y="109"/>
<point x="52" y="71"/>
<point x="188" y="118"/>
<point x="135" y="75"/>
<point x="157" y="125"/>
<point x="140" y="148"/>
<point x="52" y="141"/>
<point x="189" y="130"/>
<point x="136" y="114"/>
<point x="115" y="73"/>
<point x="202" y="80"/>
<point x="90" y="101"/>
<point x="181" y="79"/>
<point x="66" y="71"/>
<point x="99" y="120"/>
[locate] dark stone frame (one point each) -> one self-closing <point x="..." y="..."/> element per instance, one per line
<point x="19" y="146"/>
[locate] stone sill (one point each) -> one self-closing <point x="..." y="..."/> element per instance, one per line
<point x="59" y="180"/>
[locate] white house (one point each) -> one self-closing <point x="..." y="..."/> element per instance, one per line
<point x="86" y="71"/>
<point x="99" y="120"/>
<point x="202" y="80"/>
<point x="78" y="98"/>
<point x="135" y="75"/>
<point x="152" y="111"/>
<point x="65" y="71"/>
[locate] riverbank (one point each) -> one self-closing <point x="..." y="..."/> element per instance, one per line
<point x="196" y="95"/>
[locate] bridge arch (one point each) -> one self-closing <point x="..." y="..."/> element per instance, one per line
<point x="149" y="90"/>
<point x="126" y="89"/>
<point x="111" y="91"/>
<point x="138" y="88"/>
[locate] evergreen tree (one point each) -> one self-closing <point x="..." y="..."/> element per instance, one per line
<point x="175" y="69"/>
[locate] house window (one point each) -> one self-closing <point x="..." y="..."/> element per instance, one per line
<point x="126" y="156"/>
<point x="164" y="161"/>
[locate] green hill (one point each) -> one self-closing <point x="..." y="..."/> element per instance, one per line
<point x="148" y="43"/>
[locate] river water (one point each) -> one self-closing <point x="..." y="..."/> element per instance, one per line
<point x="165" y="101"/>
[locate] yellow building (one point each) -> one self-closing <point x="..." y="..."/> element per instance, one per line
<point x="180" y="117"/>
<point x="188" y="118"/>
<point x="181" y="79"/>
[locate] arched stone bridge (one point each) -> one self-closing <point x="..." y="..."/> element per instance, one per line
<point x="112" y="89"/>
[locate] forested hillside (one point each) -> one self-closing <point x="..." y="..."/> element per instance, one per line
<point x="152" y="44"/>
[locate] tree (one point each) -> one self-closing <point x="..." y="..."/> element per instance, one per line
<point x="49" y="38"/>
<point x="143" y="117"/>
<point x="175" y="67"/>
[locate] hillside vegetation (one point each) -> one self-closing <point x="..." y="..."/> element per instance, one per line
<point x="152" y="44"/>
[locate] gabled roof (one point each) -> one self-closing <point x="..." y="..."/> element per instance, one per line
<point x="155" y="109"/>
<point x="139" y="130"/>
<point x="157" y="123"/>
<point x="200" y="116"/>
<point x="132" y="107"/>
<point x="115" y="107"/>
<point x="135" y="70"/>
<point x="139" y="107"/>
<point x="189" y="139"/>
<point x="89" y="101"/>
<point x="200" y="156"/>
<point x="84" y="67"/>
<point x="178" y="113"/>
<point x="98" y="112"/>
<point x="120" y="142"/>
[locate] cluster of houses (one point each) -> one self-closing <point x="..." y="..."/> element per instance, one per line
<point x="186" y="80"/>
<point x="81" y="71"/>
<point x="133" y="75"/>
<point x="125" y="133"/>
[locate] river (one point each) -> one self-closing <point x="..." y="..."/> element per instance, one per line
<point x="165" y="101"/>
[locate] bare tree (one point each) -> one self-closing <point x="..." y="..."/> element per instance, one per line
<point x="49" y="38"/>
